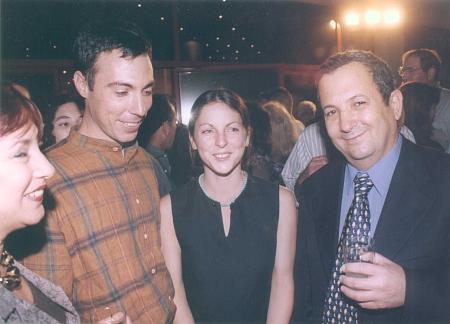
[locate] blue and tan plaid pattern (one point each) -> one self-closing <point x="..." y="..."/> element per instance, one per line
<point x="103" y="232"/>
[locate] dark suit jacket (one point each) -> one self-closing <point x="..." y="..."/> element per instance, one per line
<point x="413" y="231"/>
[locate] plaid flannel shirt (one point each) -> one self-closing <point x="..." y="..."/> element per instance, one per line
<point x="104" y="245"/>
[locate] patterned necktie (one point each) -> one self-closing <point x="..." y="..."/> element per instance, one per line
<point x="337" y="308"/>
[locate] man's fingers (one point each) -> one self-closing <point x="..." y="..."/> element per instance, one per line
<point x="362" y="268"/>
<point x="359" y="283"/>
<point x="360" y="296"/>
<point x="380" y="260"/>
<point x="369" y="305"/>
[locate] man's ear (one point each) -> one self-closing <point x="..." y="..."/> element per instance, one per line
<point x="81" y="84"/>
<point x="432" y="75"/>
<point x="396" y="104"/>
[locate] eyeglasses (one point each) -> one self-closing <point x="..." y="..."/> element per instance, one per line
<point x="407" y="69"/>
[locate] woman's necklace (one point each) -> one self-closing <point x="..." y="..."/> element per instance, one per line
<point x="11" y="279"/>
<point x="228" y="204"/>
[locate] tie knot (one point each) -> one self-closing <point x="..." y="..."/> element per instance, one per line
<point x="363" y="183"/>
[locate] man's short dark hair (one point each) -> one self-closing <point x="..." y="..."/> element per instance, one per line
<point x="106" y="36"/>
<point x="162" y="110"/>
<point x="428" y="58"/>
<point x="382" y="74"/>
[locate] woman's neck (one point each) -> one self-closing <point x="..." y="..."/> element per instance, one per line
<point x="223" y="188"/>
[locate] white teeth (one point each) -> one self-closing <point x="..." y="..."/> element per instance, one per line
<point x="131" y="124"/>
<point x="36" y="194"/>
<point x="221" y="156"/>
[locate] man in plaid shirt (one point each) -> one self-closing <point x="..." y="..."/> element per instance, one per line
<point x="103" y="244"/>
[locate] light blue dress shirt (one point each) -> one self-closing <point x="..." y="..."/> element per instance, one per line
<point x="381" y="175"/>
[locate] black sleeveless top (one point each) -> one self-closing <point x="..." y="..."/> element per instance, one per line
<point x="227" y="278"/>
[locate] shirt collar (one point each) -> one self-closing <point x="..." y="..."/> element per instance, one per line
<point x="99" y="145"/>
<point x="381" y="172"/>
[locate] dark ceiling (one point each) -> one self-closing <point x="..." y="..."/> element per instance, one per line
<point x="238" y="31"/>
<point x="215" y="31"/>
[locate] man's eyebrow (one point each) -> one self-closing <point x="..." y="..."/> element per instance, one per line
<point x="352" y="98"/>
<point x="119" y="84"/>
<point x="149" y="85"/>
<point x="328" y="106"/>
<point x="128" y="85"/>
<point x="356" y="96"/>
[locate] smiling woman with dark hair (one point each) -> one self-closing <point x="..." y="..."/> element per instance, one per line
<point x="228" y="238"/>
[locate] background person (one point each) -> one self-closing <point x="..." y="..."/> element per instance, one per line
<point x="305" y="111"/>
<point x="423" y="65"/>
<point x="259" y="164"/>
<point x="179" y="155"/>
<point x="68" y="114"/>
<point x="282" y="96"/>
<point x="283" y="136"/>
<point x="228" y="238"/>
<point x="419" y="104"/>
<point x="156" y="135"/>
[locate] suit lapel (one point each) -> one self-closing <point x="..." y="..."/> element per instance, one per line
<point x="326" y="206"/>
<point x="408" y="198"/>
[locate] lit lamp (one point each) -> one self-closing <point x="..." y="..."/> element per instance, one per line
<point x="336" y="26"/>
<point x="368" y="18"/>
<point x="372" y="17"/>
<point x="351" y="18"/>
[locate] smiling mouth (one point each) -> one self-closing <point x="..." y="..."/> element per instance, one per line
<point x="132" y="126"/>
<point x="221" y="156"/>
<point x="352" y="137"/>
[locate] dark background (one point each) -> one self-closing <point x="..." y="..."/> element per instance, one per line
<point x="38" y="34"/>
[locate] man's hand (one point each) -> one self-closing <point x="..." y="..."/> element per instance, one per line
<point x="380" y="285"/>
<point x="314" y="165"/>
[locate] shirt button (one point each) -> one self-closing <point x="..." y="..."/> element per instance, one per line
<point x="138" y="201"/>
<point x="145" y="236"/>
<point x="153" y="271"/>
<point x="115" y="149"/>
